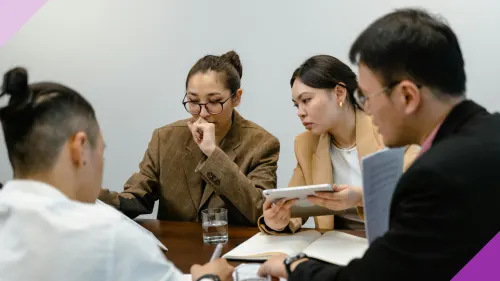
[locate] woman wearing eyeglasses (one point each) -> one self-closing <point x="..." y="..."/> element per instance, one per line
<point x="338" y="135"/>
<point x="216" y="159"/>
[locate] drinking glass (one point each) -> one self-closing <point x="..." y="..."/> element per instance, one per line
<point x="214" y="223"/>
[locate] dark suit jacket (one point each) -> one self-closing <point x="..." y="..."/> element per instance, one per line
<point x="176" y="172"/>
<point x="444" y="209"/>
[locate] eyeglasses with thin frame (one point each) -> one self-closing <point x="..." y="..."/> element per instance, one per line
<point x="213" y="108"/>
<point x="361" y="98"/>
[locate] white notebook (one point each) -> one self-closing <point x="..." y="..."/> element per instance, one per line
<point x="332" y="247"/>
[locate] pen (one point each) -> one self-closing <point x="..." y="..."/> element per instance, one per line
<point x="217" y="252"/>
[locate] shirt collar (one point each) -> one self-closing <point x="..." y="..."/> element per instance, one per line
<point x="426" y="145"/>
<point x="34" y="187"/>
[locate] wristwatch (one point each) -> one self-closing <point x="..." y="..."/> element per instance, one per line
<point x="288" y="261"/>
<point x="209" y="277"/>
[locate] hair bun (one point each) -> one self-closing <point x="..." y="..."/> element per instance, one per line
<point x="15" y="83"/>
<point x="234" y="59"/>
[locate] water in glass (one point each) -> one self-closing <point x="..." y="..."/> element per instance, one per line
<point x="214" y="223"/>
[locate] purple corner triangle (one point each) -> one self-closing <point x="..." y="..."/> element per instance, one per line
<point x="485" y="265"/>
<point x="14" y="14"/>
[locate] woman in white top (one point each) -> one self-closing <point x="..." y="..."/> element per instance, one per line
<point x="338" y="135"/>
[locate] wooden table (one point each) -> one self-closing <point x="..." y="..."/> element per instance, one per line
<point x="184" y="241"/>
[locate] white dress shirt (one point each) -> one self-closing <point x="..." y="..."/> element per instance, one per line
<point x="46" y="236"/>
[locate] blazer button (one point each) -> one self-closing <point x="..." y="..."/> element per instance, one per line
<point x="217" y="182"/>
<point x="210" y="176"/>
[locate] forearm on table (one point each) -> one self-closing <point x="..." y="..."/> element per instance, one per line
<point x="132" y="202"/>
<point x="136" y="206"/>
<point x="127" y="203"/>
<point x="293" y="225"/>
<point x="315" y="270"/>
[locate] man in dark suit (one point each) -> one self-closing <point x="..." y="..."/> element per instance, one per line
<point x="445" y="207"/>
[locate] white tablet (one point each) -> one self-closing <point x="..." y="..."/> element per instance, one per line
<point x="301" y="208"/>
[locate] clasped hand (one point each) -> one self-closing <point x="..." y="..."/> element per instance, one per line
<point x="204" y="135"/>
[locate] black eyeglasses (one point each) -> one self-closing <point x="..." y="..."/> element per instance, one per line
<point x="213" y="108"/>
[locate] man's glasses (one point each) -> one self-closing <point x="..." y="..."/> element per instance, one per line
<point x="361" y="98"/>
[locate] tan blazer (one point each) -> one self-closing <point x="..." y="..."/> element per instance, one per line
<point x="314" y="165"/>
<point x="174" y="170"/>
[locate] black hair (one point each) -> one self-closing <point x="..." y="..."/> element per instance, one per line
<point x="412" y="44"/>
<point x="326" y="72"/>
<point x="228" y="64"/>
<point x="38" y="120"/>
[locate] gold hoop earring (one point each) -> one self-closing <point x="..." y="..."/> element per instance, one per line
<point x="341" y="104"/>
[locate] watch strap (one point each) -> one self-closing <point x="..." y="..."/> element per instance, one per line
<point x="288" y="261"/>
<point x="208" y="277"/>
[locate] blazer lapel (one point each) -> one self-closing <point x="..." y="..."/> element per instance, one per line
<point x="367" y="142"/>
<point x="321" y="163"/>
<point x="190" y="160"/>
<point x="323" y="174"/>
<point x="229" y="144"/>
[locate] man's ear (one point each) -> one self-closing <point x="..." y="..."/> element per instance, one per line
<point x="77" y="146"/>
<point x="409" y="96"/>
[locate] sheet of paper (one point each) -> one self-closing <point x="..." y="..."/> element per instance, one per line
<point x="337" y="247"/>
<point x="261" y="246"/>
<point x="186" y="277"/>
<point x="135" y="223"/>
<point x="381" y="172"/>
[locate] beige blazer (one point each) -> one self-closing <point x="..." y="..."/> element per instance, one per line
<point x="314" y="165"/>
<point x="185" y="181"/>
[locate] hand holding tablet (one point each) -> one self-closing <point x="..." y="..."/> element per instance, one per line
<point x="293" y="202"/>
<point x="298" y="192"/>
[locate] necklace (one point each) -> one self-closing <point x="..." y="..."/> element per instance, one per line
<point x="336" y="144"/>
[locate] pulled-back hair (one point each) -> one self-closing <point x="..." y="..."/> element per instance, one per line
<point x="228" y="65"/>
<point x="39" y="118"/>
<point x="326" y="72"/>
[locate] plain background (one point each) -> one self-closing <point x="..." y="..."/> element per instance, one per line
<point x="130" y="58"/>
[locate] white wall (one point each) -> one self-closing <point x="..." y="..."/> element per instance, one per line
<point x="130" y="58"/>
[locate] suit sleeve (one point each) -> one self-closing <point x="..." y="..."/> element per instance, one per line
<point x="243" y="191"/>
<point x="142" y="189"/>
<point x="419" y="240"/>
<point x="295" y="224"/>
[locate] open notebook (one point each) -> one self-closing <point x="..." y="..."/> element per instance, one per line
<point x="333" y="246"/>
